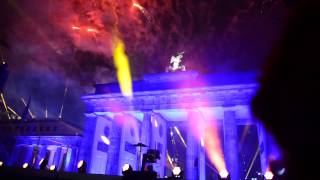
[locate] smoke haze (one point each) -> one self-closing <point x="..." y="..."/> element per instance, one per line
<point x="56" y="43"/>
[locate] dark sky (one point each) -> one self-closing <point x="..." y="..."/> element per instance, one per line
<point x="45" y="54"/>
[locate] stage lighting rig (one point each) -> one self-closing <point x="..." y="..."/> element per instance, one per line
<point x="52" y="168"/>
<point x="82" y="166"/>
<point x="25" y="165"/>
<point x="177" y="173"/>
<point x="152" y="155"/>
<point x="268" y="175"/>
<point x="127" y="170"/>
<point x="224" y="175"/>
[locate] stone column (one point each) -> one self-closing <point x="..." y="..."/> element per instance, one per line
<point x="52" y="150"/>
<point x="88" y="139"/>
<point x="231" y="144"/>
<point x="191" y="157"/>
<point x="27" y="155"/>
<point x="262" y="137"/>
<point x="201" y="163"/>
<point x="113" y="166"/>
<point x="57" y="156"/>
<point x="20" y="157"/>
<point x="71" y="160"/>
<point x="42" y="153"/>
<point x="145" y="134"/>
<point x="14" y="155"/>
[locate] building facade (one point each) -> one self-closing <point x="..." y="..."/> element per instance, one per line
<point x="162" y="102"/>
<point x="36" y="139"/>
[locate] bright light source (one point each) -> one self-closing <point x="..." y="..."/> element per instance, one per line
<point x="202" y="142"/>
<point x="268" y="175"/>
<point x="43" y="163"/>
<point x="176" y="171"/>
<point x="25" y="165"/>
<point x="82" y="166"/>
<point x="80" y="163"/>
<point x="125" y="167"/>
<point x="224" y="173"/>
<point x="105" y="140"/>
<point x="1" y="163"/>
<point x="40" y="162"/>
<point x="52" y="167"/>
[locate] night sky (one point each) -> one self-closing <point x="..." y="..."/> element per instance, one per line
<point x="45" y="54"/>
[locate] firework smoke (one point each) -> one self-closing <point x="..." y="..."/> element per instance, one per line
<point x="72" y="40"/>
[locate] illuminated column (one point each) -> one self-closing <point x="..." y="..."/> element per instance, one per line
<point x="113" y="166"/>
<point x="146" y="134"/>
<point x="57" y="157"/>
<point x="14" y="155"/>
<point x="201" y="162"/>
<point x="159" y="138"/>
<point x="88" y="139"/>
<point x="231" y="143"/>
<point x="42" y="153"/>
<point x="52" y="150"/>
<point x="191" y="157"/>
<point x="146" y="130"/>
<point x="263" y="147"/>
<point x="27" y="154"/>
<point x="71" y="159"/>
<point x="21" y="155"/>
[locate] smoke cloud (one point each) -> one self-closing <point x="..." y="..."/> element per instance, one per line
<point x="49" y="44"/>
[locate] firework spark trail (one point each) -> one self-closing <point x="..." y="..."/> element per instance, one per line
<point x="143" y="11"/>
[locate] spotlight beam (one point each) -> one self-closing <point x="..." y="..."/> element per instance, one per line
<point x="169" y="159"/>
<point x="25" y="104"/>
<point x="180" y="136"/>
<point x="5" y="105"/>
<point x="14" y="112"/>
<point x="253" y="160"/>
